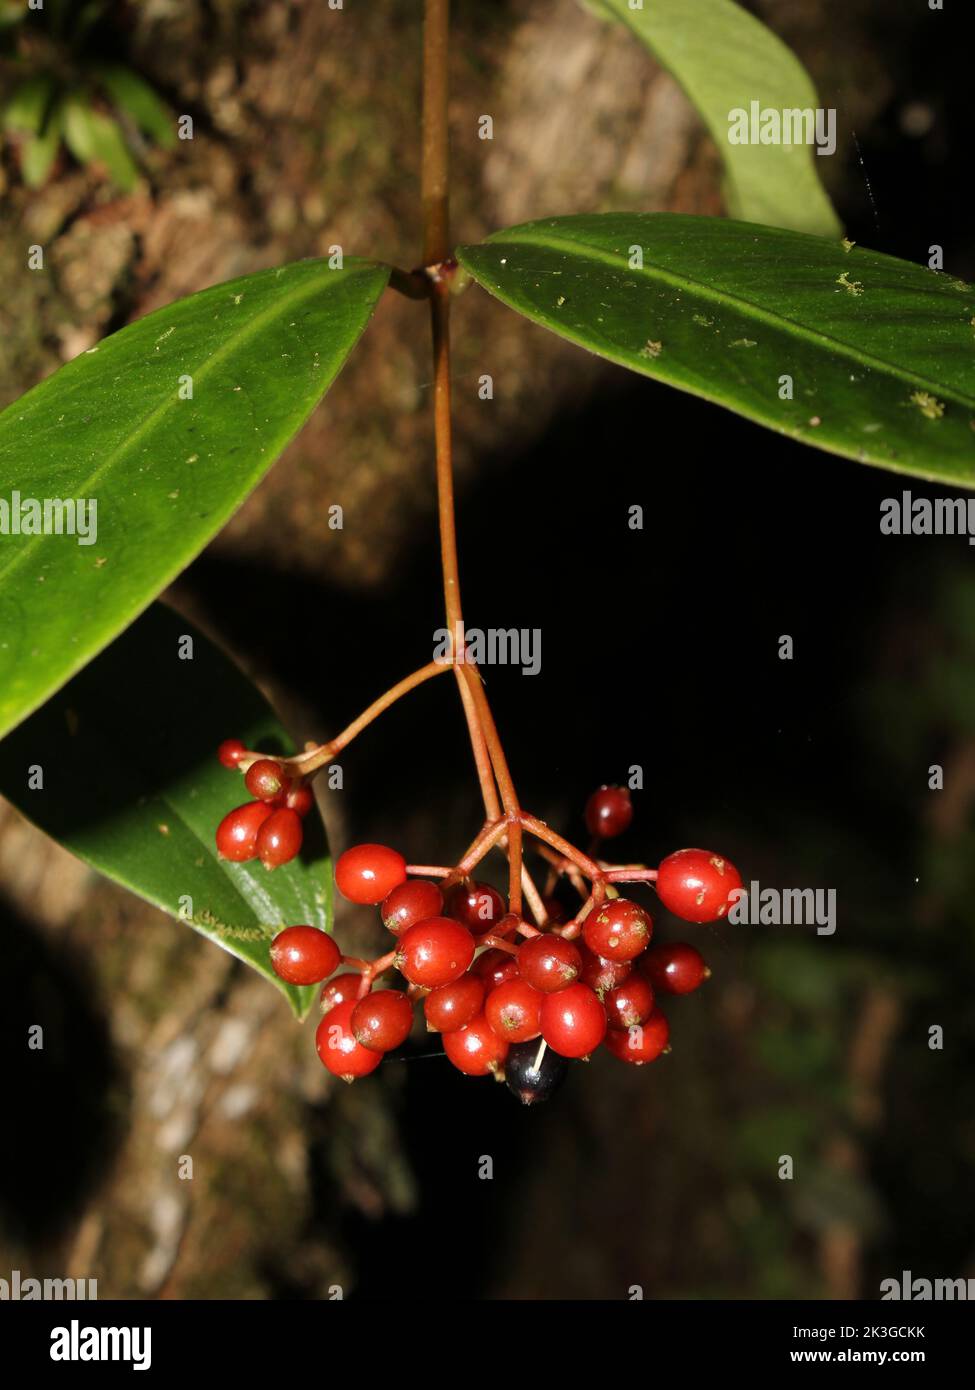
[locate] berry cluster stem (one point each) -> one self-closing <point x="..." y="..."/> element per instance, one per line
<point x="506" y="822"/>
<point x="378" y="707"/>
<point x="304" y="764"/>
<point x="492" y="768"/>
<point x="435" y="193"/>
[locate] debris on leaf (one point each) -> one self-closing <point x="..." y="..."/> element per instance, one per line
<point x="929" y="406"/>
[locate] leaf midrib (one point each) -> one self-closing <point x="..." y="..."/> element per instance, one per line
<point x="82" y="487"/>
<point x="729" y="300"/>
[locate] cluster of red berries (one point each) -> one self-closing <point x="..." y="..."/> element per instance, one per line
<point x="509" y="999"/>
<point x="269" y="827"/>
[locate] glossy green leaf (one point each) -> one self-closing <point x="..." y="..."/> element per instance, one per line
<point x="132" y="785"/>
<point x="116" y="427"/>
<point x="725" y="59"/>
<point x="96" y="140"/>
<point x="879" y="354"/>
<point x="134" y="96"/>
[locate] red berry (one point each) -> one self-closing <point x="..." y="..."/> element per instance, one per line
<point x="338" y="990"/>
<point x="674" y="968"/>
<point x="475" y="1049"/>
<point x="573" y="1021"/>
<point x="265" y="779"/>
<point x="548" y="962"/>
<point x="434" y="952"/>
<point x="618" y="930"/>
<point x="696" y="884"/>
<point x="231" y="751"/>
<point x="609" y="812"/>
<point x="339" y="1048"/>
<point x="479" y="906"/>
<point x="368" y="873"/>
<point x="494" y="967"/>
<point x="382" y="1020"/>
<point x="642" y="1043"/>
<point x="629" y="1003"/>
<point x="411" y="902"/>
<point x="279" y="838"/>
<point x="600" y="974"/>
<point x="513" y="1010"/>
<point x="300" y="798"/>
<point x="453" y="1006"/>
<point x="237" y="832"/>
<point x="304" y="955"/>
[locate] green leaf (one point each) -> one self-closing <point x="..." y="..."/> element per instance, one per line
<point x="165" y="473"/>
<point x="132" y="786"/>
<point x="39" y="152"/>
<point x="28" y="105"/>
<point x="725" y="59"/>
<point x="880" y="352"/>
<point x="95" y="139"/>
<point x="134" y="96"/>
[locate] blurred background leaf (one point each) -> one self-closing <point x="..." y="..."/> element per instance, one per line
<point x="85" y="99"/>
<point x="725" y="58"/>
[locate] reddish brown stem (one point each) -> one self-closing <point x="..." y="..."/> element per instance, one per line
<point x="304" y="764"/>
<point x="514" y="866"/>
<point x="435" y="187"/>
<point x="534" y="897"/>
<point x="568" y="851"/>
<point x="498" y="943"/>
<point x="377" y="967"/>
<point x="490" y="835"/>
<point x="499" y="762"/>
<point x="482" y="758"/>
<point x="436" y="248"/>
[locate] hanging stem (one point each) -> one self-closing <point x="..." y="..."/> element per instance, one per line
<point x="435" y="188"/>
<point x="515" y="866"/>
<point x="440" y="319"/>
<point x="482" y="758"/>
<point x="435" y="185"/>
<point x="468" y="672"/>
<point x="509" y="797"/>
